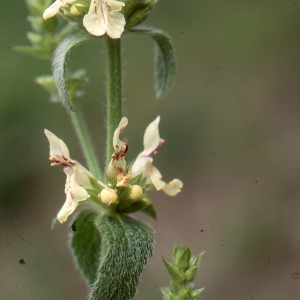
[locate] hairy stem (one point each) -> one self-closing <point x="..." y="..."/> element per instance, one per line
<point x="114" y="93"/>
<point x="85" y="142"/>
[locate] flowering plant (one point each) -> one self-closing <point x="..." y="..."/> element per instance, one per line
<point x="110" y="246"/>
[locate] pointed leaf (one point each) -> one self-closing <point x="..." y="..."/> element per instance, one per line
<point x="196" y="294"/>
<point x="184" y="259"/>
<point x="196" y="261"/>
<point x="165" y="61"/>
<point x="34" y="51"/>
<point x="59" y="63"/>
<point x="47" y="82"/>
<point x="174" y="288"/>
<point x="86" y="243"/>
<point x="173" y="271"/>
<point x="190" y="274"/>
<point x="136" y="180"/>
<point x="150" y="211"/>
<point x="185" y="293"/>
<point x="136" y="205"/>
<point x="168" y="296"/>
<point x="178" y="251"/>
<point x="129" y="245"/>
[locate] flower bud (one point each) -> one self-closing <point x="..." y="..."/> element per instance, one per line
<point x="135" y="192"/>
<point x="76" y="11"/>
<point x="108" y="196"/>
<point x="137" y="11"/>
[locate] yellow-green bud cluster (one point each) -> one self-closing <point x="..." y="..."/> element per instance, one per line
<point x="75" y="11"/>
<point x="124" y="199"/>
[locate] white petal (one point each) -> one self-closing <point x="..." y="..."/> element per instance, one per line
<point x="94" y="24"/>
<point x="82" y="176"/>
<point x="74" y="192"/>
<point x="116" y="23"/>
<point x="156" y="179"/>
<point x="142" y="164"/>
<point x="116" y="139"/>
<point x="57" y="146"/>
<point x="115" y="5"/>
<point x="152" y="139"/>
<point x="94" y="6"/>
<point x="54" y="8"/>
<point x="173" y="187"/>
<point x="152" y="175"/>
<point x="67" y="209"/>
<point x="111" y="170"/>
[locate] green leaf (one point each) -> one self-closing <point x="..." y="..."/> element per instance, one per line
<point x="174" y="288"/>
<point x="182" y="255"/>
<point x="173" y="271"/>
<point x="37" y="7"/>
<point x="75" y="82"/>
<point x="165" y="61"/>
<point x="185" y="293"/>
<point x="86" y="243"/>
<point x="150" y="211"/>
<point x="59" y="63"/>
<point x="34" y="51"/>
<point x="168" y="296"/>
<point x="190" y="274"/>
<point x="134" y="205"/>
<point x="136" y="180"/>
<point x="196" y="294"/>
<point x="129" y="244"/>
<point x="196" y="261"/>
<point x="47" y="82"/>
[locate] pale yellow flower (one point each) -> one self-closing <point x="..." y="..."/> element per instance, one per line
<point x="78" y="177"/>
<point x="143" y="163"/>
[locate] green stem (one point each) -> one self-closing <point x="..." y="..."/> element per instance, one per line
<point x="114" y="93"/>
<point x="85" y="142"/>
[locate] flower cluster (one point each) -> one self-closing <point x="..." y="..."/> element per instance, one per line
<point x="143" y="163"/>
<point x="103" y="16"/>
<point x="125" y="186"/>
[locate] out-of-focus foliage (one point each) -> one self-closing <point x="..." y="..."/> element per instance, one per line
<point x="231" y="124"/>
<point x="45" y="35"/>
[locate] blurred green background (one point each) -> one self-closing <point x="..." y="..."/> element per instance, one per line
<point x="232" y="126"/>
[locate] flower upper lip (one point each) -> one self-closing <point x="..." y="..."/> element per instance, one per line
<point x="54" y="8"/>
